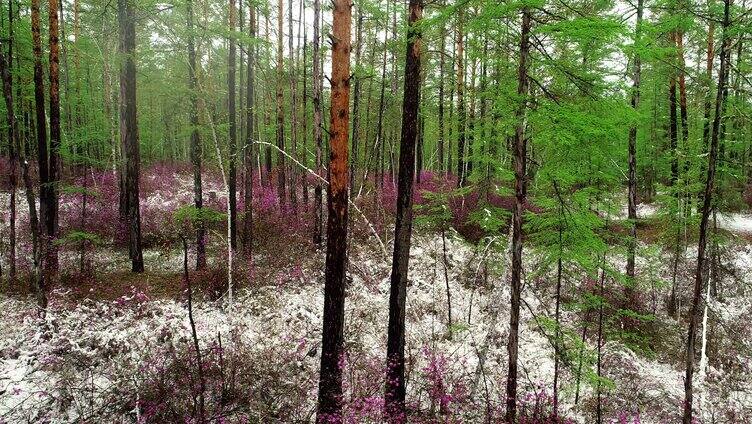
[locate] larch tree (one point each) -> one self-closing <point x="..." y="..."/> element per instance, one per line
<point x="248" y="151"/>
<point x="317" y="128"/>
<point x="394" y="396"/>
<point x="707" y="204"/>
<point x="232" y="114"/>
<point x="281" y="193"/>
<point x="330" y="377"/>
<point x="129" y="129"/>
<point x="196" y="151"/>
<point x="520" y="156"/>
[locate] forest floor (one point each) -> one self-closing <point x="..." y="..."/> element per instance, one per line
<point x="115" y="347"/>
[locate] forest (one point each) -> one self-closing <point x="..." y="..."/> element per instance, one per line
<point x="372" y="211"/>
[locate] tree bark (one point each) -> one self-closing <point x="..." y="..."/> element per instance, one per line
<point x="51" y="218"/>
<point x="280" y="109"/>
<point x="317" y="112"/>
<point x="330" y="381"/>
<point x="632" y="152"/>
<point x="232" y="112"/>
<point x="38" y="278"/>
<point x="519" y="204"/>
<point x="248" y="150"/>
<point x="460" y="100"/>
<point x="706" y="209"/>
<point x="395" y="369"/>
<point x="356" y="102"/>
<point x="13" y="137"/>
<point x="129" y="128"/>
<point x="195" y="149"/>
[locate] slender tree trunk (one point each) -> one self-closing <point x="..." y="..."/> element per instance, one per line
<point x="395" y="351"/>
<point x="51" y="223"/>
<point x="330" y="381"/>
<point x="43" y="160"/>
<point x="196" y="149"/>
<point x="317" y="133"/>
<point x="250" y="130"/>
<point x="710" y="54"/>
<point x="38" y="279"/>
<point x="632" y="154"/>
<point x="356" y="102"/>
<point x="672" y="123"/>
<point x="519" y="204"/>
<point x="458" y="57"/>
<point x="12" y="142"/>
<point x="293" y="112"/>
<point x="280" y="108"/>
<point x="129" y="128"/>
<point x="232" y="112"/>
<point x="442" y="61"/>
<point x="706" y="208"/>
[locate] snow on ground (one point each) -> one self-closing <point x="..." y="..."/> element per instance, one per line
<point x="71" y="361"/>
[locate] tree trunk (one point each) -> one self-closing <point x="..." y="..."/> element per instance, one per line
<point x="442" y="60"/>
<point x="51" y="218"/>
<point x="632" y="154"/>
<point x="672" y="123"/>
<point x="129" y="128"/>
<point x="41" y="118"/>
<point x="13" y="138"/>
<point x="317" y="133"/>
<point x="519" y="203"/>
<point x="233" y="148"/>
<point x="356" y="102"/>
<point x="293" y="112"/>
<point x="280" y="109"/>
<point x="38" y="279"/>
<point x="248" y="150"/>
<point x="330" y="381"/>
<point x="196" y="150"/>
<point x="460" y="100"/>
<point x="706" y="208"/>
<point x="395" y="369"/>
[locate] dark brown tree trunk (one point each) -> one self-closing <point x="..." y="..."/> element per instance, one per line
<point x="706" y="209"/>
<point x="41" y="116"/>
<point x="232" y="112"/>
<point x="632" y="154"/>
<point x="249" y="149"/>
<point x="51" y="218"/>
<point x="330" y="380"/>
<point x="395" y="349"/>
<point x="129" y="128"/>
<point x="281" y="190"/>
<point x="38" y="279"/>
<point x="13" y="138"/>
<point x="519" y="204"/>
<point x="672" y="122"/>
<point x="293" y="112"/>
<point x="196" y="150"/>
<point x="317" y="129"/>
<point x="458" y="57"/>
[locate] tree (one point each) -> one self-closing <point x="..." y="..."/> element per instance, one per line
<point x="715" y="135"/>
<point x="43" y="160"/>
<point x="317" y="133"/>
<point x="280" y="109"/>
<point x="232" y="178"/>
<point x="196" y="150"/>
<point x="129" y="128"/>
<point x="395" y="351"/>
<point x="51" y="217"/>
<point x="330" y="379"/>
<point x="520" y="156"/>
<point x="248" y="150"/>
<point x="632" y="150"/>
